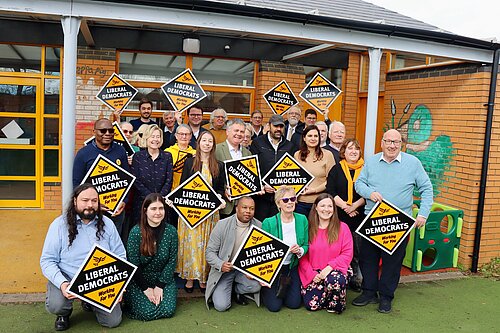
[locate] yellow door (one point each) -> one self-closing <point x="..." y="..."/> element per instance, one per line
<point x="20" y="142"/>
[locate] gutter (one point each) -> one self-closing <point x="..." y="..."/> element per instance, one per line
<point x="486" y="155"/>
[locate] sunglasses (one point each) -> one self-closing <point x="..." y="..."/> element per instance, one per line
<point x="104" y="130"/>
<point x="291" y="199"/>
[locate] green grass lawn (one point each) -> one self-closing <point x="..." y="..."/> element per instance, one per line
<point x="470" y="304"/>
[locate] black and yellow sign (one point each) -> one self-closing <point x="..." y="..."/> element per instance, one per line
<point x="116" y="93"/>
<point x="261" y="256"/>
<point x="243" y="176"/>
<point x="280" y="98"/>
<point x="111" y="182"/>
<point x="183" y="91"/>
<point x="320" y="93"/>
<point x="102" y="278"/>
<point x="119" y="139"/>
<point x="195" y="200"/>
<point x="287" y="171"/>
<point x="386" y="226"/>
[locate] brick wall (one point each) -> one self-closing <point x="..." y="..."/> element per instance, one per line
<point x="455" y="96"/>
<point x="52" y="195"/>
<point x="270" y="74"/>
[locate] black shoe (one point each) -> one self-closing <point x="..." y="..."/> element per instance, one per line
<point x="241" y="299"/>
<point x="86" y="307"/>
<point x="365" y="299"/>
<point x="62" y="323"/>
<point x="189" y="290"/>
<point x="355" y="287"/>
<point x="385" y="306"/>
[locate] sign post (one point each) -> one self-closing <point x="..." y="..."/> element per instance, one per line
<point x="102" y="278"/>
<point x="243" y="176"/>
<point x="261" y="256"/>
<point x="386" y="226"/>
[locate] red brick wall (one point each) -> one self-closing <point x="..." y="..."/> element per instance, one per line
<point x="52" y="196"/>
<point x="351" y="94"/>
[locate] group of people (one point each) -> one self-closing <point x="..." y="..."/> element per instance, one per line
<point x="325" y="257"/>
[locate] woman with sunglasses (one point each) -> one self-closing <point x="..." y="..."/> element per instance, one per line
<point x="318" y="162"/>
<point x="291" y="228"/>
<point x="152" y="247"/>
<point x="324" y="270"/>
<point x="152" y="168"/>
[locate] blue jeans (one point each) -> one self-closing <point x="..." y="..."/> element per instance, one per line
<point x="292" y="299"/>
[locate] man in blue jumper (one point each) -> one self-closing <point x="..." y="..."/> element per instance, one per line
<point x="102" y="144"/>
<point x="390" y="175"/>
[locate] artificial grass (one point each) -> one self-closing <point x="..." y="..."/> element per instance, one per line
<point x="465" y="305"/>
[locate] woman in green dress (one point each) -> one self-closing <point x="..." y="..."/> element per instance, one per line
<point x="152" y="247"/>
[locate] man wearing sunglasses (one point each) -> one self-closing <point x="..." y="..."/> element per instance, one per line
<point x="392" y="175"/>
<point x="102" y="144"/>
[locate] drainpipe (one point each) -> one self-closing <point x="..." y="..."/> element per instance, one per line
<point x="486" y="155"/>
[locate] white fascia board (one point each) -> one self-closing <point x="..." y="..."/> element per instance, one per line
<point x="112" y="12"/>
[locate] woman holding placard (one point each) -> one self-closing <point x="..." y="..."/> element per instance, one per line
<point x="324" y="270"/>
<point x="318" y="162"/>
<point x="192" y="264"/>
<point x="291" y="228"/>
<point x="152" y="247"/>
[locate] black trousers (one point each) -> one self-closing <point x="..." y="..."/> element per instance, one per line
<point x="369" y="259"/>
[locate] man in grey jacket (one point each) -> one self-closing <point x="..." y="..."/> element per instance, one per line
<point x="225" y="240"/>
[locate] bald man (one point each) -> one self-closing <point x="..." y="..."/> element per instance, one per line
<point x="392" y="175"/>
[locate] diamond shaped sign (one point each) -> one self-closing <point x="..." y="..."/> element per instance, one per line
<point x="280" y="98"/>
<point x="116" y="93"/>
<point x="320" y="93"/>
<point x="386" y="226"/>
<point x="243" y="176"/>
<point x="195" y="200"/>
<point x="287" y="171"/>
<point x="183" y="91"/>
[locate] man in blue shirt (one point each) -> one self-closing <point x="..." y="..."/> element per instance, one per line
<point x="102" y="144"/>
<point x="69" y="239"/>
<point x="391" y="175"/>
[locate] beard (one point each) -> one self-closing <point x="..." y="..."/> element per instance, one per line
<point x="293" y="121"/>
<point x="87" y="214"/>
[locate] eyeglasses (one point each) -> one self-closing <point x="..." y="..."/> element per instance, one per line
<point x="104" y="130"/>
<point x="127" y="131"/>
<point x="220" y="117"/>
<point x="392" y="142"/>
<point x="291" y="199"/>
<point x="183" y="134"/>
<point x="195" y="115"/>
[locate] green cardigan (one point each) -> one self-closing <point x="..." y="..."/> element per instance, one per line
<point x="301" y="232"/>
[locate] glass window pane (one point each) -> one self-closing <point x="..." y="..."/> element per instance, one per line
<point x="50" y="163"/>
<point x="51" y="96"/>
<point x="17" y="98"/>
<point x="223" y="71"/>
<point x="402" y="60"/>
<point x="238" y="103"/>
<point x="52" y="60"/>
<point x="334" y="75"/>
<point x="17" y="131"/>
<point x="51" y="131"/>
<point x="17" y="162"/>
<point x="19" y="58"/>
<point x="150" y="67"/>
<point x="17" y="190"/>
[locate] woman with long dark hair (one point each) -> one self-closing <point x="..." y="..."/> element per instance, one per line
<point x="324" y="270"/>
<point x="318" y="162"/>
<point x="191" y="264"/>
<point x="152" y="247"/>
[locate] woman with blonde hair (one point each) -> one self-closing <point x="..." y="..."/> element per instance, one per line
<point x="324" y="270"/>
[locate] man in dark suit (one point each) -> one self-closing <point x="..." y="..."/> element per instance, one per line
<point x="336" y="134"/>
<point x="293" y="126"/>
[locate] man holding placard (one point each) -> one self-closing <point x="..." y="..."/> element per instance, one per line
<point x="391" y="175"/>
<point x="225" y="241"/>
<point x="69" y="239"/>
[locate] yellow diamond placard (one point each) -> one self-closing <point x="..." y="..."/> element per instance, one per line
<point x="260" y="255"/>
<point x="102" y="278"/>
<point x="183" y="91"/>
<point x="287" y="171"/>
<point x="386" y="226"/>
<point x="195" y="200"/>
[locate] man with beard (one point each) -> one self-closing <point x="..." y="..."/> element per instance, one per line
<point x="102" y="144"/>
<point x="69" y="239"/>
<point x="294" y="127"/>
<point x="269" y="148"/>
<point x="225" y="240"/>
<point x="145" y="108"/>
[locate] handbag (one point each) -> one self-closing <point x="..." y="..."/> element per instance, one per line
<point x="284" y="280"/>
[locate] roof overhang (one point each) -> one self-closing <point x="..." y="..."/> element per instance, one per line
<point x="220" y="19"/>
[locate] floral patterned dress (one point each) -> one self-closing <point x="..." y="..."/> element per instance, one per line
<point x="191" y="262"/>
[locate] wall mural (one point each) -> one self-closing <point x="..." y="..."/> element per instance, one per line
<point x="436" y="155"/>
